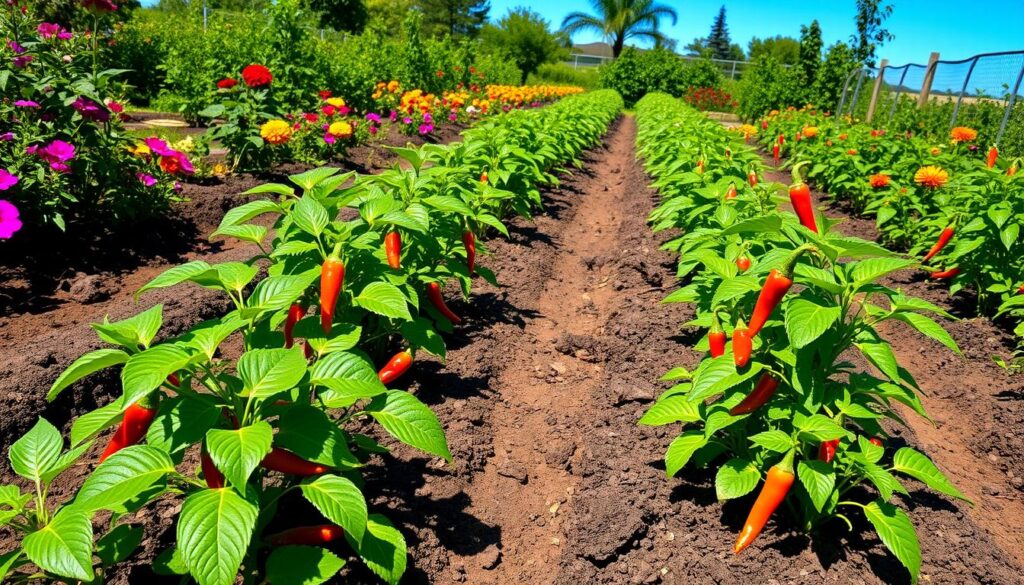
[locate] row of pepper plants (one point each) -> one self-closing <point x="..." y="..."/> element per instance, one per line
<point x="787" y="302"/>
<point x="275" y="398"/>
<point x="958" y="205"/>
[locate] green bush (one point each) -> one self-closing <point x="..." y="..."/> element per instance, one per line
<point x="767" y="85"/>
<point x="562" y="74"/>
<point x="637" y="73"/>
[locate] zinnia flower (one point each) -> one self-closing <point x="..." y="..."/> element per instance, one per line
<point x="227" y="83"/>
<point x="257" y="75"/>
<point x="115" y="106"/>
<point x="7" y="136"/>
<point x="931" y="176"/>
<point x="963" y="134"/>
<point x="810" y="131"/>
<point x="340" y="130"/>
<point x="9" y="222"/>
<point x="57" y="153"/>
<point x="852" y="151"/>
<point x="49" y="30"/>
<point x="158" y="146"/>
<point x="373" y="118"/>
<point x="324" y="94"/>
<point x="22" y="61"/>
<point x="879" y="181"/>
<point x="276" y="131"/>
<point x="329" y="110"/>
<point x="7" y="180"/>
<point x="336" y="102"/>
<point x="426" y="128"/>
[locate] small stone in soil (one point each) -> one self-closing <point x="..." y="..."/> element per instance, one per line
<point x="489" y="558"/>
<point x="514" y="470"/>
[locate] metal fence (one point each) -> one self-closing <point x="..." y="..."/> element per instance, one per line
<point x="731" y="69"/>
<point x="990" y="82"/>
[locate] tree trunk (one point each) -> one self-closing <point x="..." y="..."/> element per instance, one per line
<point x="620" y="40"/>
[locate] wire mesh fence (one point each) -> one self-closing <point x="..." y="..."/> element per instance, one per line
<point x="983" y="92"/>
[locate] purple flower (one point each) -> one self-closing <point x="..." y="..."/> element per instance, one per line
<point x="60" y="167"/>
<point x="146" y="179"/>
<point x="426" y="128"/>
<point x="18" y="49"/>
<point x="64" y="35"/>
<point x="7" y="137"/>
<point x="178" y="187"/>
<point x="407" y="120"/>
<point x="372" y="117"/>
<point x="393" y="115"/>
<point x="22" y="61"/>
<point x="453" y="117"/>
<point x="57" y="153"/>
<point x="329" y="138"/>
<point x="9" y="222"/>
<point x="373" y="130"/>
<point x="427" y="118"/>
<point x="90" y="110"/>
<point x="7" y="180"/>
<point x="31" y="149"/>
<point x="49" y="30"/>
<point x="26" y="104"/>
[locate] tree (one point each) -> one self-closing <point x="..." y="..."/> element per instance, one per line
<point x="840" y="61"/>
<point x="526" y="38"/>
<point x="810" y="51"/>
<point x="618" y="20"/>
<point x="718" y="40"/>
<point x="871" y="34"/>
<point x="386" y="16"/>
<point x="785" y="50"/>
<point x="453" y="17"/>
<point x="341" y="15"/>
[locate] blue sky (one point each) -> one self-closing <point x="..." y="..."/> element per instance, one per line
<point x="956" y="29"/>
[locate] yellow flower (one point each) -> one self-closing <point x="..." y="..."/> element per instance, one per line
<point x="340" y="129"/>
<point x="935" y="151"/>
<point x="747" y="130"/>
<point x="931" y="176"/>
<point x="810" y="131"/>
<point x="878" y="181"/>
<point x="963" y="134"/>
<point x="140" y="149"/>
<point x="393" y="86"/>
<point x="220" y="169"/>
<point x="276" y="131"/>
<point x="336" y="102"/>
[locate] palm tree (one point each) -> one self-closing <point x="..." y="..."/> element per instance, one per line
<point x="619" y="20"/>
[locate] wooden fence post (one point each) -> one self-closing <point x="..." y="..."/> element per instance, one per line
<point x="926" y="85"/>
<point x="877" y="90"/>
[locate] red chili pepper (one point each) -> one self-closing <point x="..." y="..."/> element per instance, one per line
<point x="291" y="464"/>
<point x="944" y="238"/>
<point x="214" y="478"/>
<point x="993" y="154"/>
<point x="332" y="278"/>
<point x="775" y="287"/>
<point x="483" y="177"/>
<point x="307" y="535"/>
<point x="762" y="393"/>
<point x="782" y="140"/>
<point x="434" y="295"/>
<point x="827" y="450"/>
<point x="716" y="337"/>
<point x="295" y="313"/>
<point x="393" y="249"/>
<point x="730" y="193"/>
<point x="800" y="199"/>
<point x="945" y="274"/>
<point x="775" y="154"/>
<point x="137" y="419"/>
<point x="396" y="366"/>
<point x="174" y="380"/>
<point x="776" y="486"/>
<point x="700" y="166"/>
<point x="875" y="441"/>
<point x="752" y="178"/>
<point x="742" y="344"/>
<point x="469" y="241"/>
<point x="742" y="263"/>
<point x="1011" y="171"/>
<point x="1021" y="289"/>
<point x="764" y="124"/>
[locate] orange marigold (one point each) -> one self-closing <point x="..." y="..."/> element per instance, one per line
<point x="810" y="131"/>
<point x="963" y="134"/>
<point x="931" y="176"/>
<point x="852" y="151"/>
<point x="879" y="180"/>
<point x="276" y="131"/>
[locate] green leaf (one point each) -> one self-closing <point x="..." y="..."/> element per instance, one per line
<point x="266" y="372"/>
<point x="118" y="544"/>
<point x="275" y="188"/>
<point x="90" y="423"/>
<point x="278" y="292"/>
<point x="348" y="378"/>
<point x="917" y="465"/>
<point x="247" y="211"/>
<point x="308" y="432"/>
<point x="737" y="478"/>
<point x="302" y="565"/>
<point x="246" y="232"/>
<point x="66" y="460"/>
<point x="681" y="449"/>
<point x="343" y="337"/>
<point x="37" y="451"/>
<point x="214" y="530"/>
<point x="237" y="452"/>
<point x="134" y="331"/>
<point x="384" y="299"/>
<point x="235" y="276"/>
<point x="183" y="422"/>
<point x="64" y="546"/>
<point x="122" y="477"/>
<point x="89" y="363"/>
<point x="341" y="502"/>
<point x="146" y="371"/>
<point x="410" y="421"/>
<point x="675" y="408"/>
<point x="310" y="215"/>
<point x="313" y="177"/>
<point x="382" y="549"/>
<point x="885" y="482"/>
<point x="420" y="333"/>
<point x="177" y="275"/>
<point x="820" y="428"/>
<point x="874" y="268"/>
<point x="819" y="479"/>
<point x="756" y="225"/>
<point x="807" y="320"/>
<point x="897" y="533"/>
<point x="11" y="560"/>
<point x="710" y="377"/>
<point x="879" y="353"/>
<point x="777" y="441"/>
<point x="928" y="327"/>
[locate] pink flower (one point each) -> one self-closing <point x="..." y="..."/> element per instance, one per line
<point x="115" y="106"/>
<point x="407" y="120"/>
<point x="22" y="61"/>
<point x="329" y="138"/>
<point x="453" y="117"/>
<point x="49" y="30"/>
<point x="9" y="222"/>
<point x="159" y="147"/>
<point x="7" y="180"/>
<point x="344" y="110"/>
<point x="7" y="137"/>
<point x="99" y="6"/>
<point x="372" y="117"/>
<point x="18" y="49"/>
<point x="373" y="129"/>
<point x="26" y="104"/>
<point x="90" y="110"/>
<point x="329" y="110"/>
<point x="146" y="179"/>
<point x="393" y="115"/>
<point x="57" y="153"/>
<point x="426" y="128"/>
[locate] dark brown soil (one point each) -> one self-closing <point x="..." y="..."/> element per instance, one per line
<point x="553" y="480"/>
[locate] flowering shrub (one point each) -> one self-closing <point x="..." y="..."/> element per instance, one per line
<point x="710" y="99"/>
<point x="65" y="149"/>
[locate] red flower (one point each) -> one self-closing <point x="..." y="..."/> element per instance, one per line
<point x="257" y="76"/>
<point x="99" y="6"/>
<point x="325" y="94"/>
<point x="311" y="117"/>
<point x="227" y="83"/>
<point x="329" y="110"/>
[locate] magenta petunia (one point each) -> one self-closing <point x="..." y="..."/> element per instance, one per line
<point x="372" y="117"/>
<point x="90" y="110"/>
<point x="159" y="147"/>
<point x="9" y="219"/>
<point x="22" y="61"/>
<point x="426" y="128"/>
<point x="26" y="104"/>
<point x="146" y="179"/>
<point x="7" y="180"/>
<point x="14" y="46"/>
<point x="48" y="30"/>
<point x="7" y="137"/>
